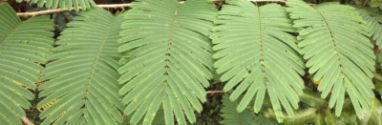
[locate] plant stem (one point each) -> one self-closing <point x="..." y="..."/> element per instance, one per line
<point x="26" y="121"/>
<point x="50" y="11"/>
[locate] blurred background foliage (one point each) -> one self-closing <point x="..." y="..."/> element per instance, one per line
<point x="313" y="109"/>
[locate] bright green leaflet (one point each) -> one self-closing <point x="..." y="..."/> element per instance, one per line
<point x="82" y="76"/>
<point x="257" y="55"/>
<point x="336" y="44"/>
<point x="23" y="47"/>
<point x="170" y="59"/>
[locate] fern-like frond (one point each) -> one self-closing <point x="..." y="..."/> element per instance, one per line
<point x="170" y="58"/>
<point x="336" y="44"/>
<point x="258" y="56"/>
<point x="247" y="117"/>
<point x="63" y="4"/>
<point x="82" y="77"/>
<point x="23" y="47"/>
<point x="374" y="21"/>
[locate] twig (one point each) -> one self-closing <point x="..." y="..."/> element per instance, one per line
<point x="115" y="5"/>
<point x="215" y="91"/>
<point x="32" y="14"/>
<point x="26" y="121"/>
<point x="357" y="3"/>
<point x="364" y="3"/>
<point x="281" y="1"/>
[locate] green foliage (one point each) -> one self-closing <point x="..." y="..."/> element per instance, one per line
<point x="375" y="4"/>
<point x="82" y="77"/>
<point x="310" y="113"/>
<point x="310" y="98"/>
<point x="319" y="113"/>
<point x="302" y="117"/>
<point x="152" y="65"/>
<point x="63" y="4"/>
<point x="335" y="42"/>
<point x="374" y="22"/>
<point x="23" y="47"/>
<point x="247" y="117"/>
<point x="158" y="119"/>
<point x="250" y="42"/>
<point x="374" y="115"/>
<point x="170" y="59"/>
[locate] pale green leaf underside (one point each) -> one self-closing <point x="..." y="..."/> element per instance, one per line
<point x="256" y="54"/>
<point x="335" y="42"/>
<point x="63" y="4"/>
<point x="232" y="117"/>
<point x="374" y="21"/>
<point x="170" y="58"/>
<point x="23" y="47"/>
<point x="82" y="77"/>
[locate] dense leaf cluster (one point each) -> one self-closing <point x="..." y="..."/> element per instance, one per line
<point x="153" y="63"/>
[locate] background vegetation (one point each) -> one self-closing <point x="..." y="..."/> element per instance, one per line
<point x="232" y="62"/>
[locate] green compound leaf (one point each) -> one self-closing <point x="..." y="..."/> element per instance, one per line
<point x="82" y="77"/>
<point x="23" y="47"/>
<point x="257" y="56"/>
<point x="169" y="59"/>
<point x="336" y="44"/>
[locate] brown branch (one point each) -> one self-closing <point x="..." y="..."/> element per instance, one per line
<point x="50" y="11"/>
<point x="32" y="14"/>
<point x="357" y="3"/>
<point x="281" y="1"/>
<point x="364" y="3"/>
<point x="26" y="121"/>
<point x="215" y="91"/>
<point x="115" y="5"/>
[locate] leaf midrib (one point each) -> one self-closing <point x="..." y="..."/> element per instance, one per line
<point x="332" y="41"/>
<point x="9" y="33"/>
<point x="169" y="44"/>
<point x="95" y="62"/>
<point x="261" y="44"/>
